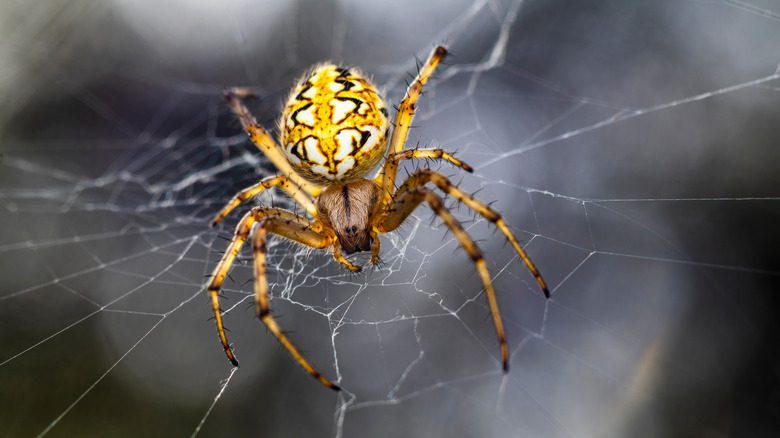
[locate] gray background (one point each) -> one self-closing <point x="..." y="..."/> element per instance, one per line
<point x="632" y="146"/>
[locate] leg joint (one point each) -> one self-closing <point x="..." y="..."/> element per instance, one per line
<point x="433" y="200"/>
<point x="492" y="215"/>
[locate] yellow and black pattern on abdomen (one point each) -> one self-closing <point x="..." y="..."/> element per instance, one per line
<point x="334" y="126"/>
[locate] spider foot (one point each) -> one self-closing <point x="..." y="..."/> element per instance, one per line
<point x="218" y="218"/>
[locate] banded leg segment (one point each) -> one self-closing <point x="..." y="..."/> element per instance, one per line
<point x="298" y="233"/>
<point x="391" y="165"/>
<point x="299" y="229"/>
<point x="280" y="181"/>
<point x="405" y="202"/>
<point x="406" y="109"/>
<point x="375" y="246"/>
<point x="423" y="176"/>
<point x="264" y="141"/>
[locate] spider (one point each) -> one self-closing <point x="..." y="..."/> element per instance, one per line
<point x="334" y="130"/>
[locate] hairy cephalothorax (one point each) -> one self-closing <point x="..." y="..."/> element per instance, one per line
<point x="334" y="130"/>
<point x="347" y="209"/>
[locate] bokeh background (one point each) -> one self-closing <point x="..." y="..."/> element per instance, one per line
<point x="632" y="145"/>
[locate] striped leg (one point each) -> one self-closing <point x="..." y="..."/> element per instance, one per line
<point x="273" y="181"/>
<point x="386" y="181"/>
<point x="406" y="109"/>
<point x="264" y="141"/>
<point x="406" y="200"/>
<point x="423" y="176"/>
<point x="300" y="234"/>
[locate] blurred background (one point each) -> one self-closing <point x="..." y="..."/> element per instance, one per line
<point x="631" y="145"/>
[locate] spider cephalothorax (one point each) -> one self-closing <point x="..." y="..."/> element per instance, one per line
<point x="348" y="209"/>
<point x="334" y="130"/>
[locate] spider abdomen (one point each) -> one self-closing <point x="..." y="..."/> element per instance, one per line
<point x="334" y="125"/>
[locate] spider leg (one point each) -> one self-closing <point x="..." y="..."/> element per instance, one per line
<point x="403" y="118"/>
<point x="375" y="246"/>
<point x="295" y="228"/>
<point x="264" y="141"/>
<point x="391" y="165"/>
<point x="406" y="200"/>
<point x="423" y="176"/>
<point x="343" y="260"/>
<point x="300" y="234"/>
<point x="281" y="181"/>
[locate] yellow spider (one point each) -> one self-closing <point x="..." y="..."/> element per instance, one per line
<point x="334" y="130"/>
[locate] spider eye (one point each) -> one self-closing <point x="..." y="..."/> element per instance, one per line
<point x="351" y="230"/>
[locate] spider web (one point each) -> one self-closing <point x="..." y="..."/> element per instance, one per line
<point x="630" y="145"/>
